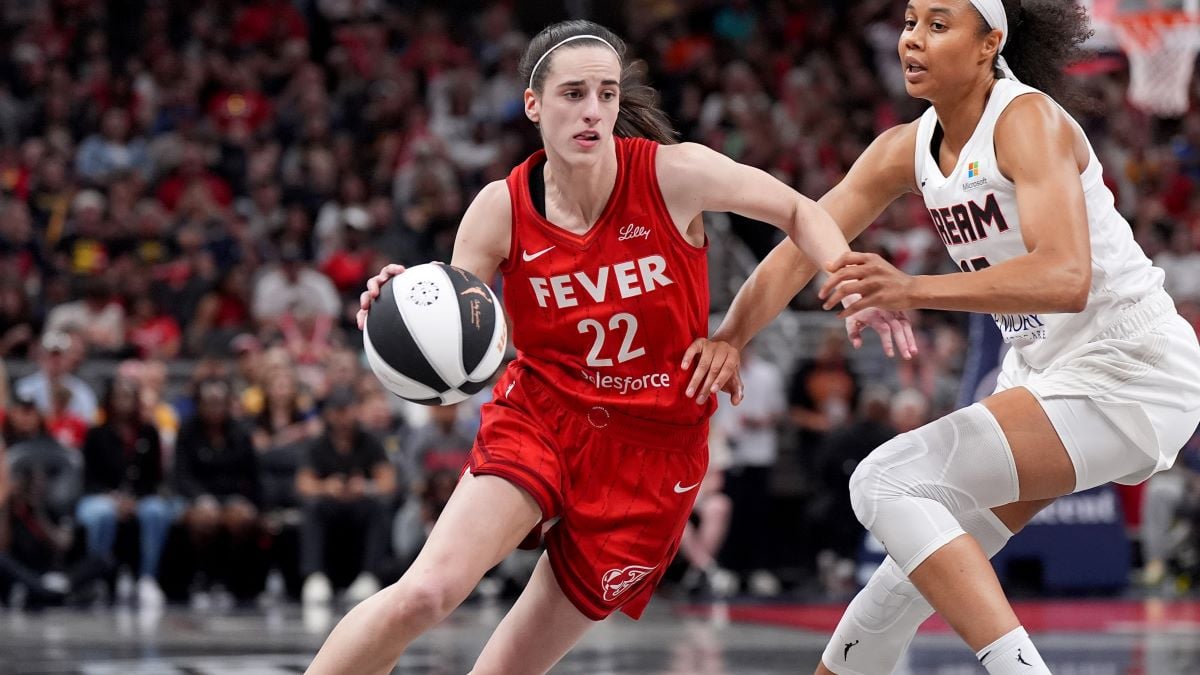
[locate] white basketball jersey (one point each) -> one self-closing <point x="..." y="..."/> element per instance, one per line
<point x="974" y="211"/>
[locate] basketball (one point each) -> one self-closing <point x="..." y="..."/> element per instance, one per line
<point x="436" y="335"/>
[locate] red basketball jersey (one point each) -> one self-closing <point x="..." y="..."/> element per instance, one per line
<point x="604" y="318"/>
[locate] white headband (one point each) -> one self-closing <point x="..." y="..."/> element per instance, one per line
<point x="574" y="37"/>
<point x="993" y="12"/>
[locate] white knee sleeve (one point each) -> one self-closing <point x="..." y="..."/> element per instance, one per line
<point x="882" y="619"/>
<point x="909" y="491"/>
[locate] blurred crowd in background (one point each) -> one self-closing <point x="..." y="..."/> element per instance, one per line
<point x="193" y="194"/>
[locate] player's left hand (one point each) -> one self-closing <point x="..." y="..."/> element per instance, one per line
<point x="718" y="368"/>
<point x="894" y="329"/>
<point x="879" y="283"/>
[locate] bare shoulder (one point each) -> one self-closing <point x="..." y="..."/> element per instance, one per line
<point x="683" y="155"/>
<point x="685" y="165"/>
<point x="687" y="173"/>
<point x="1034" y="130"/>
<point x="886" y="167"/>
<point x="486" y="227"/>
<point x="492" y="197"/>
<point x="897" y="145"/>
<point x="1033" y="117"/>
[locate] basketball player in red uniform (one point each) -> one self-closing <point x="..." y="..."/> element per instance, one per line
<point x="593" y="439"/>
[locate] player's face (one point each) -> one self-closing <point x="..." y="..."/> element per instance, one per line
<point x="941" y="49"/>
<point x="577" y="108"/>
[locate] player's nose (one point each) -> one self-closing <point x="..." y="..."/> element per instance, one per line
<point x="591" y="111"/>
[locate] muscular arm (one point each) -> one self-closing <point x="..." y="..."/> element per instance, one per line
<point x="882" y="174"/>
<point x="1038" y="149"/>
<point x="694" y="178"/>
<point x="485" y="233"/>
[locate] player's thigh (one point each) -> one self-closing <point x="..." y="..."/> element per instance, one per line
<point x="540" y="628"/>
<point x="485" y="519"/>
<point x="1044" y="468"/>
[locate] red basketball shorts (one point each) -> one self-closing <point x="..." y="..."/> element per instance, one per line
<point x="615" y="491"/>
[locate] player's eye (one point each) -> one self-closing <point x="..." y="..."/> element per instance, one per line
<point x="572" y="93"/>
<point x="910" y="24"/>
<point x="608" y="95"/>
<point x="938" y="25"/>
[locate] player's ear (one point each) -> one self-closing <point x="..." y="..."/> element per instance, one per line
<point x="991" y="45"/>
<point x="532" y="106"/>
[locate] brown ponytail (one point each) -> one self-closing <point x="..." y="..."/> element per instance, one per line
<point x="639" y="114"/>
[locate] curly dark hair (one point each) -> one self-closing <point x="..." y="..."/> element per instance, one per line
<point x="1045" y="36"/>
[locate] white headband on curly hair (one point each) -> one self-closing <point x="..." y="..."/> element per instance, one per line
<point x="993" y="12"/>
<point x="573" y="37"/>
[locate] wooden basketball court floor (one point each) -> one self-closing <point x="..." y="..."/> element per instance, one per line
<point x="1122" y="637"/>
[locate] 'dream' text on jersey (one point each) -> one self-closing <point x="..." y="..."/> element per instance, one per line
<point x="610" y="282"/>
<point x="968" y="222"/>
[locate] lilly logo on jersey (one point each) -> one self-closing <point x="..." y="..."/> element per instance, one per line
<point x="616" y="581"/>
<point x="632" y="231"/>
<point x="630" y="279"/>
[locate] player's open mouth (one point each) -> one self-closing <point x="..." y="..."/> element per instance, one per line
<point x="588" y="138"/>
<point x="913" y="70"/>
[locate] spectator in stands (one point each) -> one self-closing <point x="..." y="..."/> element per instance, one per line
<point x="35" y="544"/>
<point x="216" y="473"/>
<point x="17" y="325"/>
<point x="23" y="421"/>
<point x="704" y="536"/>
<point x="222" y="312"/>
<point x="829" y="510"/>
<point x="293" y="283"/>
<point x="752" y="431"/>
<point x="103" y="155"/>
<point x="349" y="260"/>
<point x="62" y="424"/>
<point x="83" y="249"/>
<point x="1181" y="262"/>
<point x="56" y="358"/>
<point x="152" y="331"/>
<point x="97" y="317"/>
<point x="347" y="483"/>
<point x="1169" y="497"/>
<point x="287" y="414"/>
<point x="418" y="515"/>
<point x="377" y="417"/>
<point x="444" y="442"/>
<point x="823" y="392"/>
<point x="123" y="480"/>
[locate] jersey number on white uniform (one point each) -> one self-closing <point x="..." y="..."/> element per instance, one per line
<point x="974" y="264"/>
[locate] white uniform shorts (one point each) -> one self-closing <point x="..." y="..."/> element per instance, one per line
<point x="1124" y="403"/>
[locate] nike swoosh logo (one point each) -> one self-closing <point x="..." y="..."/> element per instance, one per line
<point x="530" y="257"/>
<point x="679" y="489"/>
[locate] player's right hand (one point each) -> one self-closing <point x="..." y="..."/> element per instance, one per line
<point x="718" y="368"/>
<point x="373" y="284"/>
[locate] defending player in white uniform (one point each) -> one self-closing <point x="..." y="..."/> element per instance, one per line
<point x="1103" y="381"/>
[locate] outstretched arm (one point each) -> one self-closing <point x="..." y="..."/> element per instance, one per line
<point x="695" y="178"/>
<point x="1041" y="151"/>
<point x="881" y="175"/>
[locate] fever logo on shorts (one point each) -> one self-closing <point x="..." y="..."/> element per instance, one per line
<point x="617" y="581"/>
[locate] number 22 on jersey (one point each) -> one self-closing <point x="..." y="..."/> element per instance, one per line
<point x="627" y="351"/>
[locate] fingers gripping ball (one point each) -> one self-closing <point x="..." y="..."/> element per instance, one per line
<point x="436" y="334"/>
